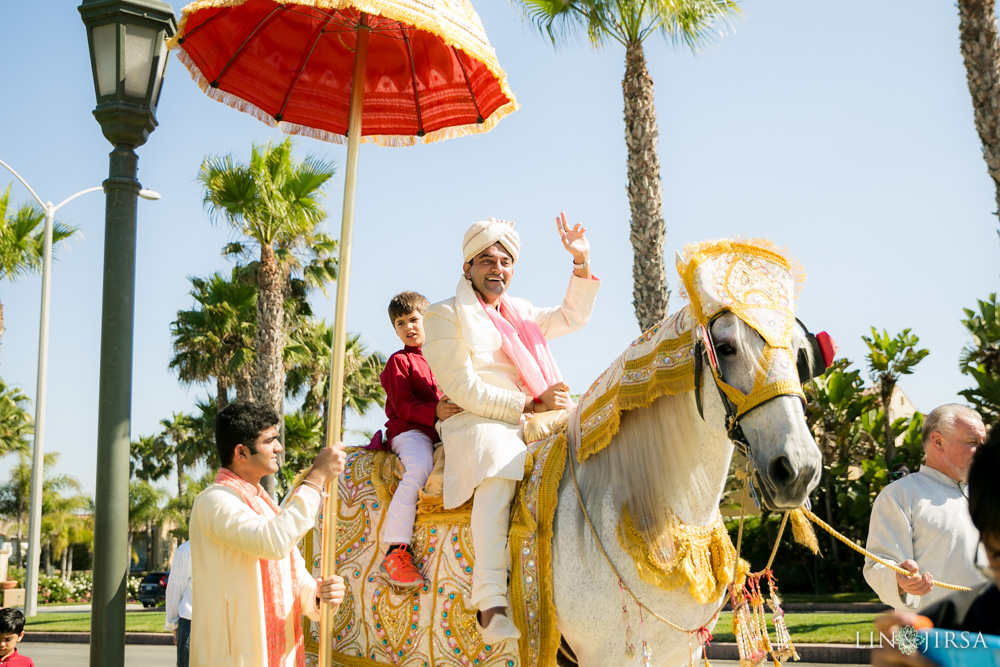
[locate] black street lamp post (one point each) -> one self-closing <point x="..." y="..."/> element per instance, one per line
<point x="128" y="54"/>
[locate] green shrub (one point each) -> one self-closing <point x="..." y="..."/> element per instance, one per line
<point x="15" y="573"/>
<point x="132" y="588"/>
<point x="56" y="589"/>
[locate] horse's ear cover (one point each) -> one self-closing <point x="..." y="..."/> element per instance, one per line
<point x="828" y="347"/>
<point x="824" y="349"/>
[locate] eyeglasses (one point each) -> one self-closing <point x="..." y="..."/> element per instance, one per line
<point x="897" y="474"/>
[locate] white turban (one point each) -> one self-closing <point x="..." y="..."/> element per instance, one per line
<point x="485" y="233"/>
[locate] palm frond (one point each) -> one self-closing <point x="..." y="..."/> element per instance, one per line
<point x="689" y="22"/>
<point x="693" y="23"/>
<point x="22" y="238"/>
<point x="561" y="20"/>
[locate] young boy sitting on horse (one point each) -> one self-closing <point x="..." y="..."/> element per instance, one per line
<point x="413" y="404"/>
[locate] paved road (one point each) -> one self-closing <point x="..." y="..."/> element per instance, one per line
<point x="75" y="655"/>
<point x="78" y="655"/>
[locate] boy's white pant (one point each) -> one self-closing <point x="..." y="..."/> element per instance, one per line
<point x="489" y="524"/>
<point x="416" y="451"/>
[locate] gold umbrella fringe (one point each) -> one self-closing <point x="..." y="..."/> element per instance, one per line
<point x="451" y="32"/>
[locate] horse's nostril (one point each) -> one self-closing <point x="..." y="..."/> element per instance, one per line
<point x="781" y="470"/>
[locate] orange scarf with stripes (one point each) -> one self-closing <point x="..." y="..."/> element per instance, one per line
<point x="270" y="574"/>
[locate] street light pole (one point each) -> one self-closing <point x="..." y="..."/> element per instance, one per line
<point x="128" y="55"/>
<point x="38" y="445"/>
<point x="111" y="555"/>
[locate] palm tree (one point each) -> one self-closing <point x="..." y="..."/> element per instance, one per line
<point x="314" y="256"/>
<point x="144" y="508"/>
<point x="362" y="389"/>
<point x="14" y="496"/>
<point x="60" y="512"/>
<point x="178" y="510"/>
<point x="274" y="202"/>
<point x="193" y="438"/>
<point x="81" y="531"/>
<point x="16" y="423"/>
<point x="981" y="53"/>
<point x="629" y="23"/>
<point x="981" y="358"/>
<point x="22" y="235"/>
<point x="214" y="340"/>
<point x="889" y="358"/>
<point x="150" y="459"/>
<point x="303" y="440"/>
<point x="307" y="357"/>
<point x="178" y="437"/>
<point x="62" y="522"/>
<point x="202" y="441"/>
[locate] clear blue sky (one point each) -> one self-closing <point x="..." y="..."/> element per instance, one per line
<point x="842" y="132"/>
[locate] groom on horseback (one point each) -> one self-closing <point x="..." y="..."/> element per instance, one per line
<point x="489" y="355"/>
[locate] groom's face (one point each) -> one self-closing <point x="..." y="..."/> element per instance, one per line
<point x="490" y="272"/>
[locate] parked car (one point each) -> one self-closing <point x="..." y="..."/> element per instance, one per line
<point x="153" y="589"/>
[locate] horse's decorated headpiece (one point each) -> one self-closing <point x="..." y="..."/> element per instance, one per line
<point x="758" y="285"/>
<point x="752" y="280"/>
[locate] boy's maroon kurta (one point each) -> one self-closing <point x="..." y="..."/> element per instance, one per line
<point x="15" y="659"/>
<point x="411" y="395"/>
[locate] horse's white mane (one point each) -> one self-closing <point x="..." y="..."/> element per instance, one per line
<point x="655" y="465"/>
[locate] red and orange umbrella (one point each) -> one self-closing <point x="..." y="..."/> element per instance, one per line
<point x="393" y="72"/>
<point x="430" y="72"/>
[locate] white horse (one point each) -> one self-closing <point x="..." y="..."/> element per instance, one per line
<point x="669" y="456"/>
<point x="663" y="463"/>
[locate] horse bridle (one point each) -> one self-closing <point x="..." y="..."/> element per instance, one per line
<point x="823" y="351"/>
<point x="808" y="366"/>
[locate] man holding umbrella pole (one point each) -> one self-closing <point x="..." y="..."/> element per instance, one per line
<point x="316" y="68"/>
<point x="250" y="587"/>
<point x="489" y="355"/>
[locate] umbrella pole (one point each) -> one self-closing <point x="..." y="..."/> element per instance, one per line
<point x="335" y="408"/>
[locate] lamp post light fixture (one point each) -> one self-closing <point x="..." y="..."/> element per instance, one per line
<point x="128" y="54"/>
<point x="38" y="443"/>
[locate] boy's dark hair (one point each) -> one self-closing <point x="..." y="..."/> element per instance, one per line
<point x="405" y="303"/>
<point x="240" y="423"/>
<point x="11" y="621"/>
<point x="984" y="492"/>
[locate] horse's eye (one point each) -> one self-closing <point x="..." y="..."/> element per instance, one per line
<point x="725" y="349"/>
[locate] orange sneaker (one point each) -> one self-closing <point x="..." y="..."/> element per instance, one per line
<point x="399" y="569"/>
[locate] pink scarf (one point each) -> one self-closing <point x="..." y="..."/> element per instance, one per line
<point x="522" y="341"/>
<point x="270" y="574"/>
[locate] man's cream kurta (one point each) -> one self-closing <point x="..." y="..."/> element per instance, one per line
<point x="463" y="348"/>
<point x="228" y="539"/>
<point x="923" y="517"/>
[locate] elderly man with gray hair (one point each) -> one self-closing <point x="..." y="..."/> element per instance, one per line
<point x="489" y="355"/>
<point x="921" y="522"/>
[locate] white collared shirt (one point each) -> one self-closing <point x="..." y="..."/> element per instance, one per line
<point x="179" y="587"/>
<point x="924" y="517"/>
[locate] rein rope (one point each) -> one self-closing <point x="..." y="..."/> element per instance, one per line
<point x="867" y="554"/>
<point x="735" y="433"/>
